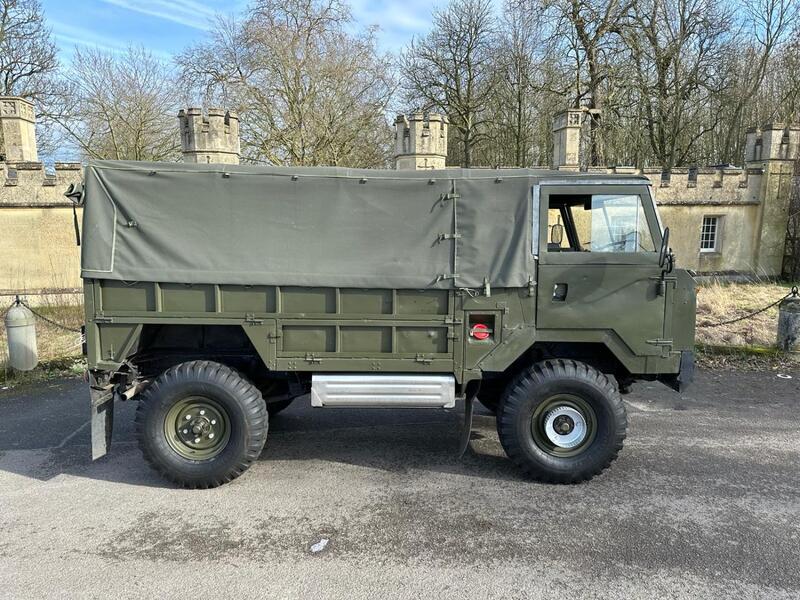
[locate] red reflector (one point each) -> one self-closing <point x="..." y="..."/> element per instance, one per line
<point x="479" y="331"/>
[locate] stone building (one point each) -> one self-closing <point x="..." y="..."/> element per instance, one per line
<point x="420" y="141"/>
<point x="37" y="236"/>
<point x="723" y="220"/>
<point x="210" y="138"/>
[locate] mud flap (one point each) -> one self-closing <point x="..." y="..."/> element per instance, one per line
<point x="466" y="428"/>
<point x="102" y="420"/>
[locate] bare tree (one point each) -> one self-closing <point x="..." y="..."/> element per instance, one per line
<point x="587" y="36"/>
<point x="120" y="106"/>
<point x="766" y="31"/>
<point x="308" y="91"/>
<point x="27" y="55"/>
<point x="27" y="52"/>
<point x="514" y="110"/>
<point x="675" y="50"/>
<point x="451" y="69"/>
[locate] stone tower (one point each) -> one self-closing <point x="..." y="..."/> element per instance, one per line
<point x="420" y="141"/>
<point x="19" y="130"/>
<point x="771" y="152"/>
<point x="209" y="139"/>
<point x="567" y="140"/>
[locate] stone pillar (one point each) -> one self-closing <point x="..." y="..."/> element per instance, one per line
<point x="420" y="141"/>
<point x="212" y="138"/>
<point x="772" y="150"/>
<point x="19" y="130"/>
<point x="567" y="140"/>
<point x="789" y="323"/>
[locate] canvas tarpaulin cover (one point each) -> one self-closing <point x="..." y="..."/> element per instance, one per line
<point x="237" y="224"/>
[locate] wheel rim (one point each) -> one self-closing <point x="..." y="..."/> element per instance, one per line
<point x="197" y="428"/>
<point x="564" y="425"/>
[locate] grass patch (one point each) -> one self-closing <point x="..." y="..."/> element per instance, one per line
<point x="720" y="301"/>
<point x="744" y="358"/>
<point x="73" y="366"/>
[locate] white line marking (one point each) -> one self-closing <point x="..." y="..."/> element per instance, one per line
<point x="72" y="435"/>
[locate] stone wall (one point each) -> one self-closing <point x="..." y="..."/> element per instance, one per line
<point x="37" y="237"/>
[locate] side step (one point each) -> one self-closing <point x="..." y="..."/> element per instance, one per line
<point x="383" y="391"/>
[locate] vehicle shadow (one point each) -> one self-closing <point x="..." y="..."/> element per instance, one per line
<point x="391" y="440"/>
<point x="395" y="441"/>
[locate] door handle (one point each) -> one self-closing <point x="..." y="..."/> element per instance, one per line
<point x="560" y="292"/>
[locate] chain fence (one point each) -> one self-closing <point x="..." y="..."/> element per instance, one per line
<point x="793" y="292"/>
<point x="36" y="313"/>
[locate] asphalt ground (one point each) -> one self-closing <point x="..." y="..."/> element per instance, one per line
<point x="703" y="502"/>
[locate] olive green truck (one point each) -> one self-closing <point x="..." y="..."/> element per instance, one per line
<point x="217" y="294"/>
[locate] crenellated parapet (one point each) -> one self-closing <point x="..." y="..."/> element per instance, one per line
<point x="29" y="184"/>
<point x="773" y="141"/>
<point x="209" y="138"/>
<point x="18" y="125"/>
<point x="719" y="185"/>
<point x="420" y="141"/>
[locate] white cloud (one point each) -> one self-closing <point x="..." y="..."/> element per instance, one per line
<point x="188" y="13"/>
<point x="69" y="35"/>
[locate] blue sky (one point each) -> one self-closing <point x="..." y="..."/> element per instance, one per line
<point x="167" y="26"/>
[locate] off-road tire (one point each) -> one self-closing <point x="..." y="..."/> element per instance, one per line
<point x="536" y="386"/>
<point x="247" y="420"/>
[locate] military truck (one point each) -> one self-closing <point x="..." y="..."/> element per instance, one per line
<point x="217" y="294"/>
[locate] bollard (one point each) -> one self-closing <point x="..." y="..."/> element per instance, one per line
<point x="21" y="334"/>
<point x="789" y="323"/>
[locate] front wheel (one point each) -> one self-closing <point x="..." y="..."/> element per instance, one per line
<point x="562" y="421"/>
<point x="200" y="424"/>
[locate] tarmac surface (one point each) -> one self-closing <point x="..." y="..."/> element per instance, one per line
<point x="703" y="502"/>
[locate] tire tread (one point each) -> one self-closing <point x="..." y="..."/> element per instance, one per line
<point x="251" y="403"/>
<point x="524" y="384"/>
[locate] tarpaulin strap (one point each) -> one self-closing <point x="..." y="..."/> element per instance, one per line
<point x="455" y="196"/>
<point x="75" y="223"/>
<point x="448" y="236"/>
<point x="75" y="193"/>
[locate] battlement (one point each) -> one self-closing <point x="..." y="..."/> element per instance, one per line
<point x="773" y="141"/>
<point x="29" y="184"/>
<point x="420" y="141"/>
<point x="18" y="122"/>
<point x="209" y="138"/>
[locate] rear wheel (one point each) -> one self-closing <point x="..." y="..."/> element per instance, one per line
<point x="562" y="421"/>
<point x="201" y="424"/>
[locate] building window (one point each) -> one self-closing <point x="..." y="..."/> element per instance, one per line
<point x="710" y="234"/>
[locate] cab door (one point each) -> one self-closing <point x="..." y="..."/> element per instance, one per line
<point x="599" y="274"/>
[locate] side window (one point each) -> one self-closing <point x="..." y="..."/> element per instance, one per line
<point x="710" y="234"/>
<point x="598" y="223"/>
<point x="619" y="225"/>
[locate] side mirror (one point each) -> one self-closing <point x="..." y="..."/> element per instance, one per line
<point x="663" y="255"/>
<point x="556" y="233"/>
